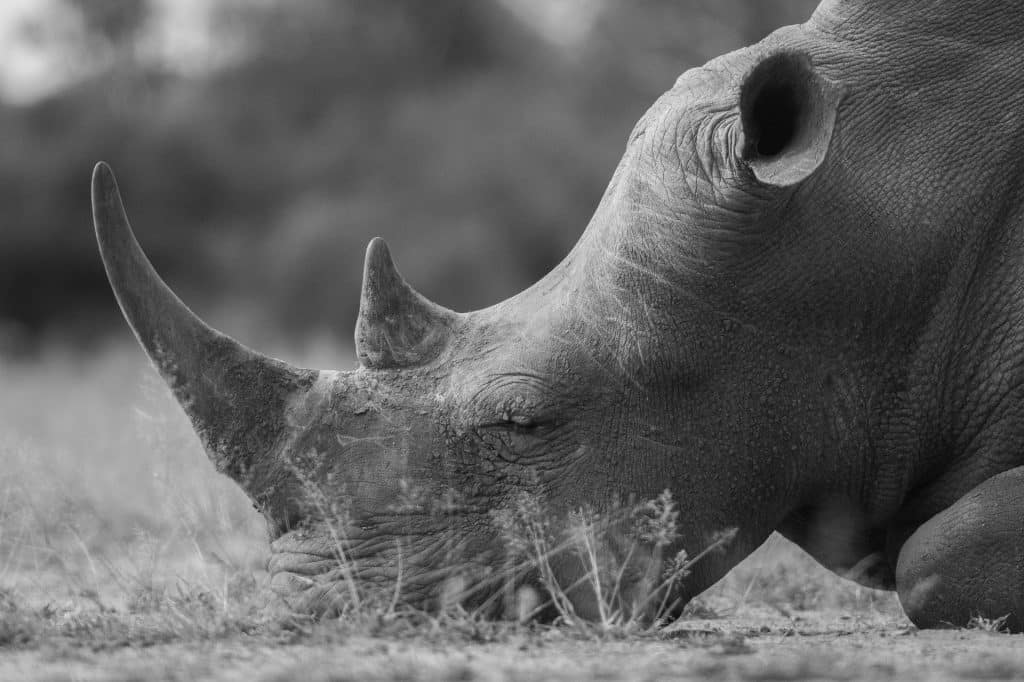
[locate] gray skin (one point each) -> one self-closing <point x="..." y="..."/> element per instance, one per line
<point x="798" y="307"/>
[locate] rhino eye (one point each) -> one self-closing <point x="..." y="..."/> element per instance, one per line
<point x="518" y="419"/>
<point x="522" y="420"/>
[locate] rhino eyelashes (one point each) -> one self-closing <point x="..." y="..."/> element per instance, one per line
<point x="524" y="425"/>
<point x="521" y="420"/>
<point x="517" y="423"/>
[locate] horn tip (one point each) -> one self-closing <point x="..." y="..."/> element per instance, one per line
<point x="379" y="266"/>
<point x="103" y="176"/>
<point x="105" y="194"/>
<point x="377" y="251"/>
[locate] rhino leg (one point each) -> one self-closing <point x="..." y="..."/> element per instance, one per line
<point x="968" y="560"/>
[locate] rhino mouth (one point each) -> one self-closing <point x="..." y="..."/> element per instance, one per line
<point x="319" y="574"/>
<point x="325" y="587"/>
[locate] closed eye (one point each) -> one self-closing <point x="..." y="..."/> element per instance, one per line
<point x="518" y="423"/>
<point x="522" y="420"/>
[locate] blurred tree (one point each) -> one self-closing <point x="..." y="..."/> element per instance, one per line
<point x="451" y="128"/>
<point x="379" y="118"/>
<point x="113" y="23"/>
<point x="648" y="43"/>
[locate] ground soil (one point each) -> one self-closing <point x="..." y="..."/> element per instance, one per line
<point x="812" y="646"/>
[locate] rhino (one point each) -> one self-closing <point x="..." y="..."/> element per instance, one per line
<point x="799" y="306"/>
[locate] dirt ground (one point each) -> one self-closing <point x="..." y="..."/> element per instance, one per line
<point x="817" y="645"/>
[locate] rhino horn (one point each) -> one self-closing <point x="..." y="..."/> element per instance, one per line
<point x="235" y="397"/>
<point x="397" y="327"/>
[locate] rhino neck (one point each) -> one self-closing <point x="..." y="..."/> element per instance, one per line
<point x="933" y="95"/>
<point x="968" y="360"/>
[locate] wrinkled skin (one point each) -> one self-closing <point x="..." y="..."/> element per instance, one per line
<point x="797" y="307"/>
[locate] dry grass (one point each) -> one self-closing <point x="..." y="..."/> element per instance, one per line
<point x="122" y="556"/>
<point x="624" y="577"/>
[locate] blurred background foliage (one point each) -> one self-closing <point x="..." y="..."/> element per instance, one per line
<point x="476" y="136"/>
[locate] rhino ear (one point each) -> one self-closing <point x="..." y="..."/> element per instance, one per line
<point x="787" y="111"/>
<point x="397" y="327"/>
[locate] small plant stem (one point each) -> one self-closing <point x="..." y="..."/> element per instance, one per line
<point x="595" y="575"/>
<point x="398" y="582"/>
<point x="617" y="585"/>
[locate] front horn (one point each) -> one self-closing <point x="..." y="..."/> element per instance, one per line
<point x="236" y="398"/>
